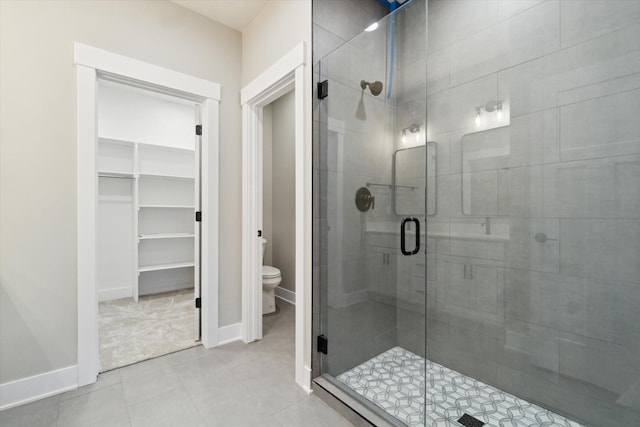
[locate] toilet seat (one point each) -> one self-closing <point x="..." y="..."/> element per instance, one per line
<point x="269" y="272"/>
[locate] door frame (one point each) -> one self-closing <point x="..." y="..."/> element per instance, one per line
<point x="284" y="76"/>
<point x="92" y="64"/>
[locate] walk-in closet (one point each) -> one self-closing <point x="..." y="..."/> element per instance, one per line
<point x="147" y="233"/>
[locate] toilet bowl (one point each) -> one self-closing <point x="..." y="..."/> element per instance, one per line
<point x="271" y="278"/>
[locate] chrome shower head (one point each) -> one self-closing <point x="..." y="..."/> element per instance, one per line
<point x="375" y="88"/>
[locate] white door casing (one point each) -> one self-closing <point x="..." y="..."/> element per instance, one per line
<point x="92" y="63"/>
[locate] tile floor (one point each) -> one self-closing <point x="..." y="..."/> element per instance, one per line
<point x="395" y="381"/>
<point x="154" y="326"/>
<point x="232" y="385"/>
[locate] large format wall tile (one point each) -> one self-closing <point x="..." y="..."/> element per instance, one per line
<point x="453" y="20"/>
<point x="596" y="188"/>
<point x="580" y="23"/>
<point x="455" y="108"/>
<point x="528" y="35"/>
<point x="534" y="138"/>
<point x="612" y="311"/>
<point x="604" y="249"/>
<point x="438" y="70"/>
<point x="534" y="244"/>
<point x="538" y="85"/>
<point x="600" y="127"/>
<point x="346" y="18"/>
<point x="508" y="8"/>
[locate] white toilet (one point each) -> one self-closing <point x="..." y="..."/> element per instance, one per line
<point x="271" y="278"/>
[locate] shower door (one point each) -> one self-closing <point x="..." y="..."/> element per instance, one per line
<point x="371" y="216"/>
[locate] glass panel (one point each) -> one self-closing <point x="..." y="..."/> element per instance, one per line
<point x="534" y="250"/>
<point x="372" y="178"/>
<point x="532" y="269"/>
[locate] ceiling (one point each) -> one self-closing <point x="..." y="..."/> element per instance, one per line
<point x="236" y="14"/>
<point x="233" y="13"/>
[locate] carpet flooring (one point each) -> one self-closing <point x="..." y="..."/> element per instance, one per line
<point x="154" y="326"/>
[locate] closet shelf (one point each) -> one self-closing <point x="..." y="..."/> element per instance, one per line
<point x="166" y="266"/>
<point x="166" y="236"/>
<point x="115" y="199"/>
<point x="165" y="176"/>
<point x="168" y="206"/>
<point x="164" y="147"/>
<point x="105" y="140"/>
<point x="115" y="174"/>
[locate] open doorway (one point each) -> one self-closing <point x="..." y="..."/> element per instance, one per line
<point x="278" y="219"/>
<point x="147" y="236"/>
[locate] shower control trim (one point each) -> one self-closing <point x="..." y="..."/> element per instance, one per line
<point x="403" y="239"/>
<point x="364" y="200"/>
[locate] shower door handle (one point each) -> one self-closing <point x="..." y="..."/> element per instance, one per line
<point x="403" y="237"/>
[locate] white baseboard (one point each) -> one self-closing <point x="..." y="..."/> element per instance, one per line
<point x="306" y="386"/>
<point x="115" y="293"/>
<point x="37" y="387"/>
<point x="230" y="333"/>
<point x="286" y="295"/>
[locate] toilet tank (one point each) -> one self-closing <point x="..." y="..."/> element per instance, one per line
<point x="264" y="248"/>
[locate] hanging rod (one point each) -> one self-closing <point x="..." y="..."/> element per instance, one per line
<point x="390" y="186"/>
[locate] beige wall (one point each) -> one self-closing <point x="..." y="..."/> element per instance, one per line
<point x="38" y="330"/>
<point x="267" y="187"/>
<point x="279" y="27"/>
<point x="283" y="191"/>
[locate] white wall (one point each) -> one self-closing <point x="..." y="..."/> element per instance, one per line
<point x="139" y="115"/>
<point x="38" y="330"/>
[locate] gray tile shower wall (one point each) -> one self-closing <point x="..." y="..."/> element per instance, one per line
<point x="348" y="152"/>
<point x="335" y="22"/>
<point x="543" y="306"/>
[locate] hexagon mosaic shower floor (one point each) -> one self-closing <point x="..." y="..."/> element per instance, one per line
<point x="394" y="381"/>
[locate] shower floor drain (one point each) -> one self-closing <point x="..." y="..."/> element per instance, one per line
<point x="468" y="421"/>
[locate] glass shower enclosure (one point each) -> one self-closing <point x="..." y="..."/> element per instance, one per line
<point x="477" y="215"/>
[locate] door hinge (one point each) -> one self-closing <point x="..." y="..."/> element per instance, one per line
<point x="323" y="89"/>
<point x="323" y="344"/>
<point x="259" y="233"/>
<point x="198" y="302"/>
<point x="198" y="216"/>
<point x="198" y="129"/>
